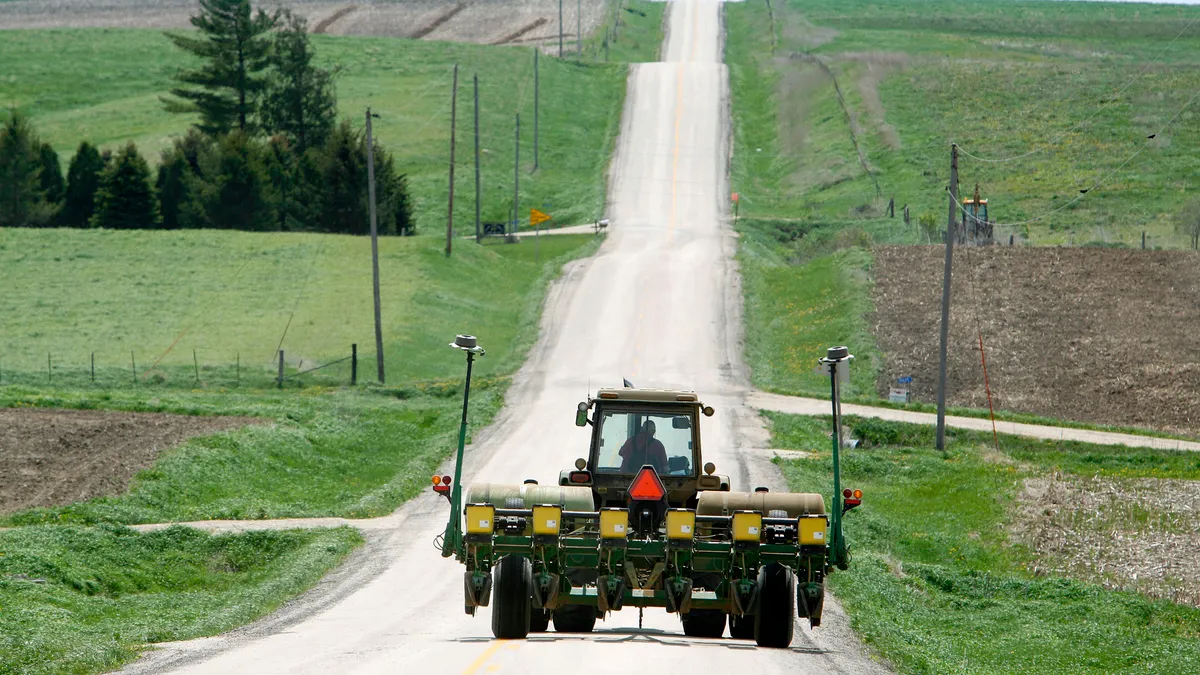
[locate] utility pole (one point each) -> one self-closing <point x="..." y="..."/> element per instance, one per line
<point x="517" y="176"/>
<point x="951" y="235"/>
<point x="536" y="104"/>
<point x="453" y="125"/>
<point x="579" y="30"/>
<point x="477" y="232"/>
<point x="560" y="29"/>
<point x="374" y="244"/>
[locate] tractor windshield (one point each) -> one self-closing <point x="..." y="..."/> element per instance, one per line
<point x="628" y="440"/>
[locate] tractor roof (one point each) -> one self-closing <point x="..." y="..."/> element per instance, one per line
<point x="649" y="395"/>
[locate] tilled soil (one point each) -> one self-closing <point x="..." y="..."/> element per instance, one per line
<point x="50" y="457"/>
<point x="1106" y="336"/>
<point x="482" y="21"/>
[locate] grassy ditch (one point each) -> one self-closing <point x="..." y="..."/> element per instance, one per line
<point x="103" y="85"/>
<point x="952" y="566"/>
<point x="86" y="600"/>
<point x="999" y="79"/>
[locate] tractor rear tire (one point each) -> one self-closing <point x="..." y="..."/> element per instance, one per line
<point x="512" y="588"/>
<point x="539" y="620"/>
<point x="773" y="622"/>
<point x="703" y="623"/>
<point x="575" y="619"/>
<point x="741" y="627"/>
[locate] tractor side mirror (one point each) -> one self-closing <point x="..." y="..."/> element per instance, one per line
<point x="581" y="419"/>
<point x="681" y="422"/>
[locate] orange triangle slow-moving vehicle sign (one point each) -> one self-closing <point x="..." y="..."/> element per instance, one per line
<point x="646" y="486"/>
<point x="537" y="217"/>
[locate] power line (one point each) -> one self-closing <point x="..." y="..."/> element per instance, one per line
<point x="312" y="264"/>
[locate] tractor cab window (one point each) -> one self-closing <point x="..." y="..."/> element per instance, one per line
<point x="628" y="440"/>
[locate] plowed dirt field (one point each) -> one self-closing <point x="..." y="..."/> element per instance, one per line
<point x="1106" y="336"/>
<point x="50" y="457"/>
<point x="482" y="21"/>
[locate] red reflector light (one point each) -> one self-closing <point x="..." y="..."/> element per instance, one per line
<point x="847" y="493"/>
<point x="445" y="480"/>
<point x="646" y="487"/>
<point x="580" y="477"/>
<point x="442" y="489"/>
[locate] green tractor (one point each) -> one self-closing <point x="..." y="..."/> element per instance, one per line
<point x="644" y="522"/>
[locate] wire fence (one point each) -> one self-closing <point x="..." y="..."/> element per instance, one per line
<point x="111" y="369"/>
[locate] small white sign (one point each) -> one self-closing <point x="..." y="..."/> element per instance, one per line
<point x="485" y="524"/>
<point x="752" y="530"/>
<point x="897" y="395"/>
<point x="818" y="535"/>
<point x="552" y="523"/>
<point x="618" y="528"/>
<point x="643" y="593"/>
<point x="686" y="529"/>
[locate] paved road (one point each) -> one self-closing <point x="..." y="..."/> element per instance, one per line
<point x="658" y="304"/>
<point x="811" y="406"/>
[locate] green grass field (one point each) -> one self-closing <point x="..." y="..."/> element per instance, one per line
<point x="1000" y="79"/>
<point x="231" y="295"/>
<point x="939" y="584"/>
<point x="103" y="85"/>
<point x="331" y="450"/>
<point x="83" y="600"/>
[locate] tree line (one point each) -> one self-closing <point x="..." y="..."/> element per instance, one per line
<point x="266" y="154"/>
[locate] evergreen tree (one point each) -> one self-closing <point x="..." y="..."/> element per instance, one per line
<point x="284" y="172"/>
<point x="125" y="199"/>
<point x="238" y="198"/>
<point x="336" y="178"/>
<point x="180" y="181"/>
<point x="83" y="179"/>
<point x="20" y="187"/>
<point x="299" y="101"/>
<point x="235" y="50"/>
<point x="50" y="176"/>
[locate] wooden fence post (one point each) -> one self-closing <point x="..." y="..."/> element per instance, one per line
<point x="279" y="382"/>
<point x="353" y="364"/>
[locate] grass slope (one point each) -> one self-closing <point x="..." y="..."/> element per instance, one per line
<point x="85" y="600"/>
<point x="937" y="585"/>
<point x="104" y="85"/>
<point x="225" y="294"/>
<point x="1001" y="79"/>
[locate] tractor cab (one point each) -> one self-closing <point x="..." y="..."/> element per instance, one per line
<point x="635" y="428"/>
<point x="976" y="209"/>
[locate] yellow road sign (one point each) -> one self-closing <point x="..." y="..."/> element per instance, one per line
<point x="537" y="217"/>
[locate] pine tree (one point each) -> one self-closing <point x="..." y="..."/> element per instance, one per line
<point x="20" y="187"/>
<point x="180" y="182"/>
<point x="50" y="176"/>
<point x="125" y="199"/>
<point x="235" y="50"/>
<point x="300" y="101"/>
<point x="336" y="179"/>
<point x="238" y="198"/>
<point x="83" y="179"/>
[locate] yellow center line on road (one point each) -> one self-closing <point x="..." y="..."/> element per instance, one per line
<point x="679" y="116"/>
<point x="483" y="658"/>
